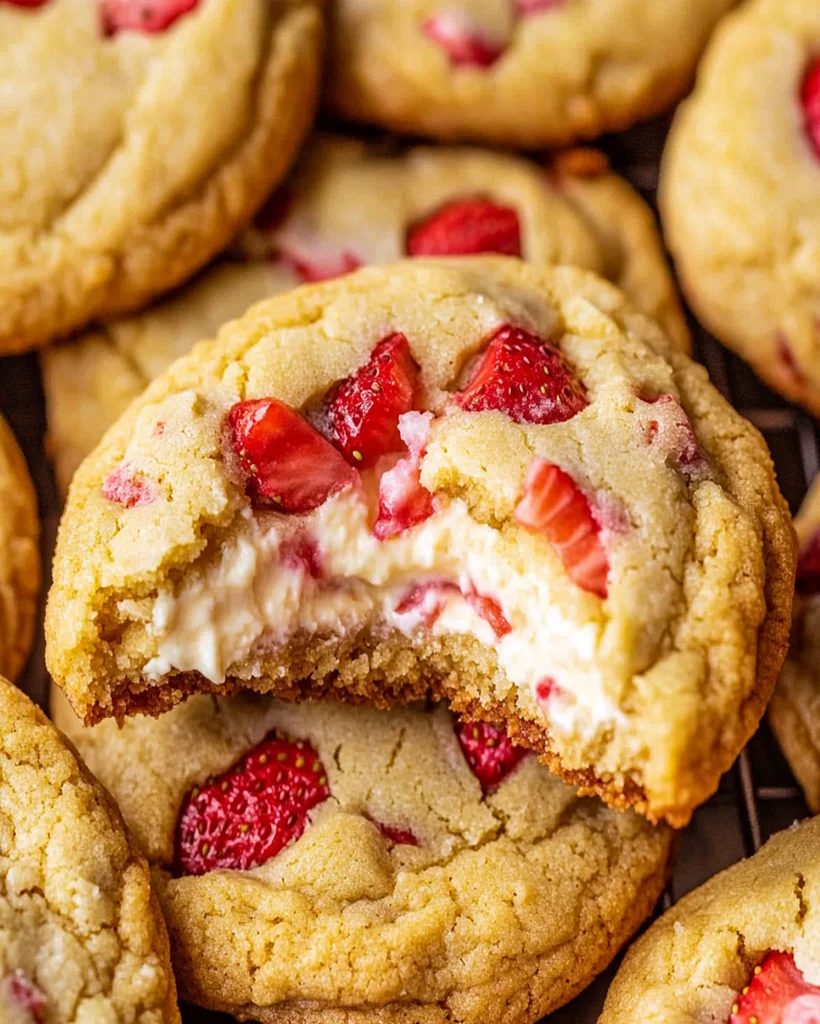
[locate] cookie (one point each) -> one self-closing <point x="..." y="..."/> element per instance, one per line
<point x="739" y="190"/>
<point x="524" y="73"/>
<point x="473" y="478"/>
<point x="794" y="712"/>
<point x="136" y="149"/>
<point x="317" y="862"/>
<point x="81" y="934"/>
<point x="350" y="204"/>
<point x="19" y="556"/>
<point x="742" y="949"/>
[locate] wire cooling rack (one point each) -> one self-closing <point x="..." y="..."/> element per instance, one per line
<point x="758" y="796"/>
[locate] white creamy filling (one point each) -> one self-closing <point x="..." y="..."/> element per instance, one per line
<point x="250" y="602"/>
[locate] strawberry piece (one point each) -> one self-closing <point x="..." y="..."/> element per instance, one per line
<point x="127" y="486"/>
<point x="491" y="754"/>
<point x="427" y="601"/>
<point x="301" y="553"/>
<point x="808" y="565"/>
<point x="403" y="502"/>
<point x="535" y="6"/>
<point x="310" y="271"/>
<point x="467" y="227"/>
<point x="25" y="3"/>
<point x="288" y="462"/>
<point x="526" y="378"/>
<point x="676" y="433"/>
<point x="248" y="814"/>
<point x="363" y="412"/>
<point x="456" y="34"/>
<point x="544" y="689"/>
<point x="27" y="995"/>
<point x="397" y="836"/>
<point x="552" y="504"/>
<point x="810" y="99"/>
<point x="787" y="358"/>
<point x="489" y="609"/>
<point x="777" y="994"/>
<point x="147" y="16"/>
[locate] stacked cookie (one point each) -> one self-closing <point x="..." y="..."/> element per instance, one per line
<point x="413" y="584"/>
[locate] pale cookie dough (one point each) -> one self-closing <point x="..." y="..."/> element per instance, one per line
<point x="522" y="73"/>
<point x="413" y="894"/>
<point x="693" y="964"/>
<point x="740" y="193"/>
<point x="350" y="203"/>
<point x="82" y="940"/>
<point x="794" y="712"/>
<point x="612" y="582"/>
<point x="19" y="556"/>
<point x="131" y="157"/>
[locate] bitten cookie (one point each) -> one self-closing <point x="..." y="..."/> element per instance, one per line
<point x="320" y="863"/>
<point x="81" y="935"/>
<point x="740" y="192"/>
<point x="19" y="556"/>
<point x="134" y="147"/>
<point x="514" y="72"/>
<point x="347" y="205"/>
<point x="469" y="477"/>
<point x="795" y="708"/>
<point x="742" y="949"/>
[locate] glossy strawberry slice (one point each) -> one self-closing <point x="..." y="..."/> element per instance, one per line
<point x="490" y="752"/>
<point x="403" y="502"/>
<point x="461" y="40"/>
<point x="289" y="464"/>
<point x="363" y="412"/>
<point x="127" y="486"/>
<point x="810" y="98"/>
<point x="467" y="227"/>
<point x="147" y="16"/>
<point x="397" y="836"/>
<point x="247" y="815"/>
<point x="553" y="505"/>
<point x="777" y="994"/>
<point x="526" y="378"/>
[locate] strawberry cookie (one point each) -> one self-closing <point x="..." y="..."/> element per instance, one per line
<point x="133" y="149"/>
<point x="317" y="862"/>
<point x="795" y="708"/>
<point x="82" y="938"/>
<point x="524" y="73"/>
<point x="472" y="478"/>
<point x="742" y="949"/>
<point x="347" y="205"/>
<point x="19" y="556"/>
<point x="739" y="192"/>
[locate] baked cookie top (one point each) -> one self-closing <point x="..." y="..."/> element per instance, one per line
<point x="744" y="153"/>
<point x="19" y="556"/>
<point x="81" y="935"/>
<point x="402" y="863"/>
<point x="741" y="949"/>
<point x="515" y="72"/>
<point x="350" y="204"/>
<point x="137" y="150"/>
<point x="516" y="460"/>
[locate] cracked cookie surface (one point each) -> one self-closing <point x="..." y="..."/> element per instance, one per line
<point x="522" y="73"/>
<point x="81" y="934"/>
<point x="694" y="964"/>
<point x="19" y="556"/>
<point x="157" y="148"/>
<point x="350" y="204"/>
<point x="739" y="189"/>
<point x="414" y="893"/>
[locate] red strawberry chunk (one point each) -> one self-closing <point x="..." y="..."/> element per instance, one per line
<point x="289" y="464"/>
<point x="552" y="504"/>
<point x="25" y="3"/>
<point x="777" y="994"/>
<point x="810" y="98"/>
<point x="467" y="227"/>
<point x="544" y="689"/>
<point x="463" y="43"/>
<point x="301" y="553"/>
<point x="490" y="753"/>
<point x="310" y="271"/>
<point x="535" y="6"/>
<point x="787" y="358"/>
<point x="248" y="814"/>
<point x="808" y="565"/>
<point x="397" y="836"/>
<point x="525" y="377"/>
<point x="489" y="609"/>
<point x="363" y="413"/>
<point x="147" y="16"/>
<point x="403" y="502"/>
<point x="26" y="995"/>
<point x="427" y="601"/>
<point x="675" y="432"/>
<point x="127" y="486"/>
